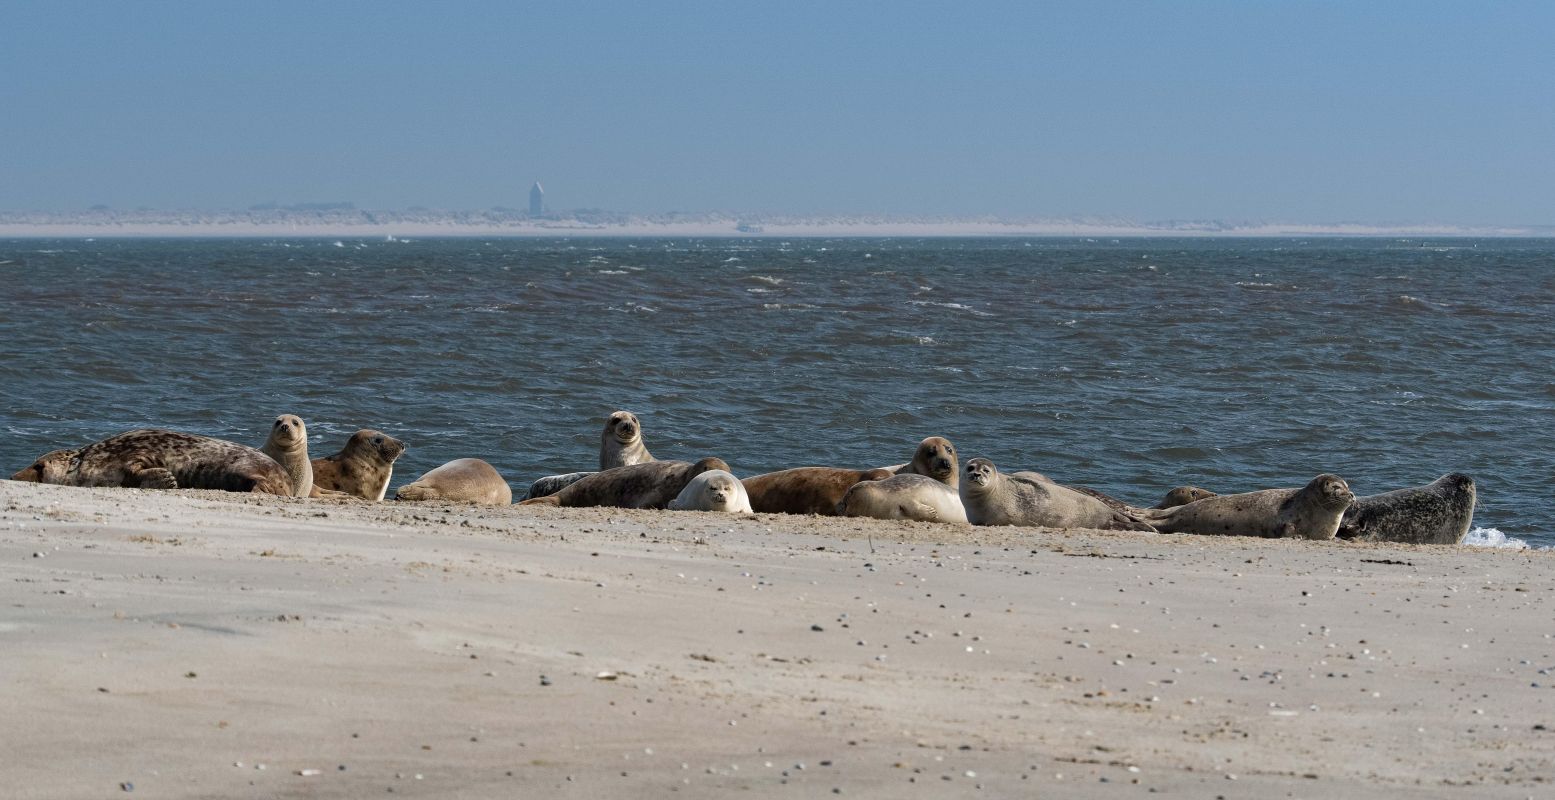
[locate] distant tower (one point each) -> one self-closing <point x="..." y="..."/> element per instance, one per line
<point x="536" y="200"/>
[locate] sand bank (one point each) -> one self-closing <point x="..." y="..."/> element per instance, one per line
<point x="195" y="644"/>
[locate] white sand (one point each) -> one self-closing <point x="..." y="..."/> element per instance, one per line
<point x="177" y="641"/>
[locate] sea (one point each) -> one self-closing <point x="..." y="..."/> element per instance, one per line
<point x="1126" y="365"/>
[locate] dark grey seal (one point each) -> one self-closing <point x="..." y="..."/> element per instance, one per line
<point x="153" y="458"/>
<point x="1438" y="513"/>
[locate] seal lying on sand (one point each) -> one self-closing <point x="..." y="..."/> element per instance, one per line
<point x="1438" y="513"/>
<point x="1311" y="512"/>
<point x="361" y="469"/>
<point x="153" y="458"/>
<point x="714" y="490"/>
<point x="906" y="496"/>
<point x="995" y="499"/>
<point x="1182" y="496"/>
<point x="288" y="445"/>
<point x="650" y="485"/>
<point x="551" y="484"/>
<point x="806" y="490"/>
<point x="621" y="442"/>
<point x="463" y="480"/>
<point x="936" y="458"/>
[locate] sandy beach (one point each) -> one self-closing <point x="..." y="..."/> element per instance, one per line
<point x="199" y="644"/>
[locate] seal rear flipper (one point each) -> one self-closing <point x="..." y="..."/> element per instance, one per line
<point x="152" y="478"/>
<point x="548" y="500"/>
<point x="1128" y="522"/>
<point x="413" y="493"/>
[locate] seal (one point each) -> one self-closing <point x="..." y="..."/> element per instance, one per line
<point x="1311" y="512"/>
<point x="154" y="458"/>
<point x="992" y="498"/>
<point x="713" y="490"/>
<point x="288" y="445"/>
<point x="1183" y="495"/>
<point x="905" y="496"/>
<point x="463" y="480"/>
<point x="621" y="442"/>
<point x="361" y="469"/>
<point x="936" y="458"/>
<point x="650" y="485"/>
<point x="1439" y="512"/>
<point x="805" y="490"/>
<point x="551" y="484"/>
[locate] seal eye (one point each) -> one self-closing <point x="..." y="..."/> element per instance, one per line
<point x="377" y="440"/>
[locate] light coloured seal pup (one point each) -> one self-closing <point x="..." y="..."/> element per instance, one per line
<point x="551" y="484"/>
<point x="806" y="490"/>
<point x="936" y="458"/>
<point x="1439" y="512"/>
<point x="1183" y="495"/>
<point x="154" y="458"/>
<point x="288" y="445"/>
<point x="992" y="498"/>
<point x="361" y="469"/>
<point x="650" y="485"/>
<point x="463" y="480"/>
<point x="714" y="490"/>
<point x="621" y="442"/>
<point x="1311" y="512"/>
<point x="906" y="496"/>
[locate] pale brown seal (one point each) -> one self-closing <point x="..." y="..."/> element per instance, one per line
<point x="806" y="490"/>
<point x="992" y="498"/>
<point x="153" y="458"/>
<point x="1183" y="495"/>
<point x="936" y="458"/>
<point x="288" y="445"/>
<point x="1438" y="513"/>
<point x="650" y="485"/>
<point x="361" y="469"/>
<point x="905" y="496"/>
<point x="714" y="490"/>
<point x="621" y="442"/>
<point x="463" y="480"/>
<point x="1311" y="512"/>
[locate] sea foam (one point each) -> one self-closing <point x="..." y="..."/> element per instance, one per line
<point x="1490" y="537"/>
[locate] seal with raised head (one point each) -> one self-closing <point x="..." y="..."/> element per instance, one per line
<point x="992" y="498"/>
<point x="1311" y="512"/>
<point x="714" y="490"/>
<point x="463" y="480"/>
<point x="936" y="458"/>
<point x="650" y="485"/>
<point x="361" y="469"/>
<point x="806" y="490"/>
<point x="551" y="484"/>
<point x="288" y="445"/>
<point x="154" y="458"/>
<point x="1183" y="495"/>
<point x="1439" y="512"/>
<point x="621" y="442"/>
<point x="905" y="496"/>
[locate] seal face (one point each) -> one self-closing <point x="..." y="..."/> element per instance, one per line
<point x="993" y="498"/>
<point x="288" y="445"/>
<point x="621" y="442"/>
<point x="1311" y="512"/>
<point x="905" y="496"/>
<point x="362" y="468"/>
<point x="551" y="484"/>
<point x="806" y="490"/>
<point x="935" y="458"/>
<point x="155" y="458"/>
<point x="650" y="485"/>
<point x="1438" y="513"/>
<point x="714" y="490"/>
<point x="463" y="480"/>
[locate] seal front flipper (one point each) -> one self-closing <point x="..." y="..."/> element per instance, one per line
<point x="153" y="478"/>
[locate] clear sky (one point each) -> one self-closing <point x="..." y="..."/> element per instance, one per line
<point x="1291" y="111"/>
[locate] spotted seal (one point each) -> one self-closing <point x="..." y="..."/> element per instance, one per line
<point x="1439" y="512"/>
<point x="463" y="480"/>
<point x="155" y="458"/>
<point x="288" y="445"/>
<point x="806" y="490"/>
<point x="1311" y="512"/>
<point x="935" y="458"/>
<point x="1181" y="496"/>
<point x="714" y="490"/>
<point x="361" y="469"/>
<point x="905" y="496"/>
<point x="551" y="484"/>
<point x="992" y="498"/>
<point x="650" y="485"/>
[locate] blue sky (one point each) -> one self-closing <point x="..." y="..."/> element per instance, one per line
<point x="1294" y="111"/>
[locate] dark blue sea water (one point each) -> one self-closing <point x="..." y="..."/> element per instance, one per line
<point x="1127" y="365"/>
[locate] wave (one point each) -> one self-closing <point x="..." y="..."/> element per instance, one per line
<point x="1490" y="537"/>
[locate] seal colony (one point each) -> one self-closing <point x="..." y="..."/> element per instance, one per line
<point x="931" y="487"/>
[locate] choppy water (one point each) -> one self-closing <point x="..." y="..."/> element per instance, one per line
<point x="1130" y="366"/>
